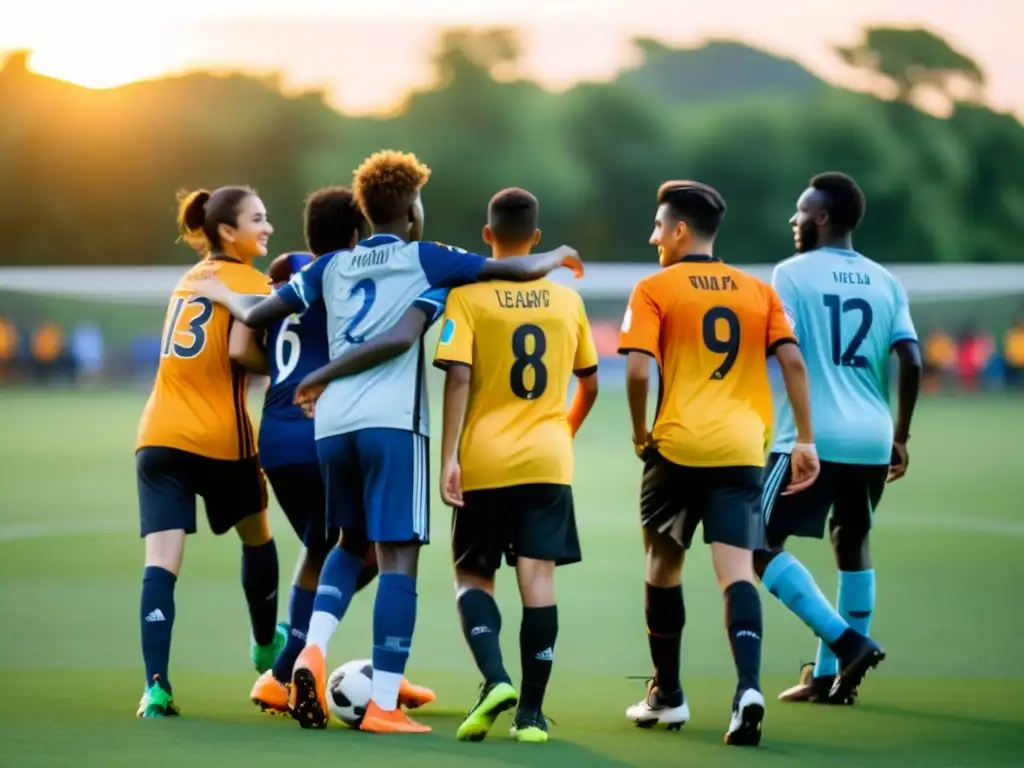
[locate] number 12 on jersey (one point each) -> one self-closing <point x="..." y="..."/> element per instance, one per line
<point x="848" y="358"/>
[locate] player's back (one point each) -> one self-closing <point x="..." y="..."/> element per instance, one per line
<point x="847" y="311"/>
<point x="710" y="327"/>
<point x="198" y="401"/>
<point x="526" y="341"/>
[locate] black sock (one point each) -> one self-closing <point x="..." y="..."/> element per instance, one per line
<point x="744" y="625"/>
<point x="259" y="581"/>
<point x="537" y="635"/>
<point x="157" y="618"/>
<point x="666" y="617"/>
<point x="481" y="626"/>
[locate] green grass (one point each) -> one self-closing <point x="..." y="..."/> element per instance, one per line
<point x="947" y="551"/>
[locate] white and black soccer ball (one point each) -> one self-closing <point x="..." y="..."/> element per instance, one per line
<point x="349" y="689"/>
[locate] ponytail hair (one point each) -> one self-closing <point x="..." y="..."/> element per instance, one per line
<point x="192" y="218"/>
<point x="201" y="212"/>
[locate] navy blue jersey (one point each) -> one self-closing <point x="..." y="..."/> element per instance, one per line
<point x="296" y="346"/>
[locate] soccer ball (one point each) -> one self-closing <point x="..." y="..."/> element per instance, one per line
<point x="348" y="691"/>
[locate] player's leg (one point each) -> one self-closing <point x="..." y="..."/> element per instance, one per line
<point x="667" y="529"/>
<point x="734" y="528"/>
<point x="480" y="535"/>
<point x="396" y="493"/>
<point x="545" y="535"/>
<point x="167" y="512"/>
<point x="339" y="464"/>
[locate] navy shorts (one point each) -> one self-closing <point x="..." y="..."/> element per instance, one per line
<point x="170" y="479"/>
<point x="377" y="484"/>
<point x="299" y="490"/>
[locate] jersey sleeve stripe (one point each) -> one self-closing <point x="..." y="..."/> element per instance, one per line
<point x="898" y="339"/>
<point x="779" y="342"/>
<point x="585" y="372"/>
<point x="444" y="364"/>
<point x="627" y="350"/>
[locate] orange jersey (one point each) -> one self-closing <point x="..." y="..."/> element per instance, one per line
<point x="711" y="328"/>
<point x="198" y="402"/>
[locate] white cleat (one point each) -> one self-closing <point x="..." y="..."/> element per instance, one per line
<point x="651" y="712"/>
<point x="745" y="724"/>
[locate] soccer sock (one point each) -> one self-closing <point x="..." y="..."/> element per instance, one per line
<point x="259" y="581"/>
<point x="666" y="617"/>
<point x="787" y="579"/>
<point x="481" y="626"/>
<point x="157" y="620"/>
<point x="300" y="610"/>
<point x="537" y="635"/>
<point x="394" y="619"/>
<point x="744" y="625"/>
<point x="856" y="603"/>
<point x="333" y="595"/>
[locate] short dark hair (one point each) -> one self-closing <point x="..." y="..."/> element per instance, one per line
<point x="386" y="184"/>
<point x="331" y="217"/>
<point x="700" y="206"/>
<point x="844" y="200"/>
<point x="201" y="212"/>
<point x="512" y="215"/>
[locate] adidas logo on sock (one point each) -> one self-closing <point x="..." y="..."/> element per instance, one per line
<point x="477" y="631"/>
<point x="548" y="654"/>
<point x="155" y="615"/>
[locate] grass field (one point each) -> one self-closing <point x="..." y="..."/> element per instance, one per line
<point x="947" y="551"/>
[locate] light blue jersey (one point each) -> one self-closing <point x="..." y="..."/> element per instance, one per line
<point x="847" y="312"/>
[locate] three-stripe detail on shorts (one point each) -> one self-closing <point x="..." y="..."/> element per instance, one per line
<point x="772" y="486"/>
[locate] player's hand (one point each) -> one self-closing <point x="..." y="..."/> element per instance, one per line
<point x="210" y="287"/>
<point x="306" y="395"/>
<point x="898" y="463"/>
<point x="451" y="484"/>
<point x="803" y="468"/>
<point x="643" y="447"/>
<point x="571" y="259"/>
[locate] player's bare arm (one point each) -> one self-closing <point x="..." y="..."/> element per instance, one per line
<point x="522" y="269"/>
<point x="244" y="349"/>
<point x="805" y="465"/>
<point x="255" y="311"/>
<point x="908" y="353"/>
<point x="638" y="373"/>
<point x="456" y="400"/>
<point x="584" y="399"/>
<point x="388" y="345"/>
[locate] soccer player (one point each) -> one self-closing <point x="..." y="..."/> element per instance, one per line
<point x="195" y="438"/>
<point x="710" y="327"/>
<point x="509" y="351"/>
<point x="371" y="428"/>
<point x="849" y="313"/>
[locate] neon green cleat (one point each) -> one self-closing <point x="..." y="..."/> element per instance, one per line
<point x="264" y="656"/>
<point x="493" y="700"/>
<point x="156" y="702"/>
<point x="530" y="727"/>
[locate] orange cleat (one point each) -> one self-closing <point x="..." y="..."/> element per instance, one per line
<point x="270" y="694"/>
<point x="414" y="696"/>
<point x="308" y="699"/>
<point x="376" y="720"/>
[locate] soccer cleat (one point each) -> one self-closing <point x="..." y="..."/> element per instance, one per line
<point x="670" y="710"/>
<point x="414" y="696"/>
<point x="270" y="694"/>
<point x="530" y="727"/>
<point x="156" y="702"/>
<point x="747" y="715"/>
<point x="264" y="656"/>
<point x="377" y="720"/>
<point x="813" y="689"/>
<point x="494" y="699"/>
<point x="308" y="695"/>
<point x="860" y="654"/>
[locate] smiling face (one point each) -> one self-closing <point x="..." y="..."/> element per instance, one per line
<point x="671" y="235"/>
<point x="248" y="238"/>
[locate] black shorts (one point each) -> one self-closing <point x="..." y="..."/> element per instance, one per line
<point x="299" y="490"/>
<point x="850" y="491"/>
<point x="170" y="479"/>
<point x="675" y="499"/>
<point x="537" y="520"/>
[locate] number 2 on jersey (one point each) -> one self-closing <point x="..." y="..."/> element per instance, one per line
<point x="848" y="358"/>
<point x="368" y="288"/>
<point x="729" y="346"/>
<point x="286" y="363"/>
<point x="196" y="328"/>
<point x="525" y="360"/>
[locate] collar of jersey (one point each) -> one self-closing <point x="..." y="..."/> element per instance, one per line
<point x="840" y="251"/>
<point x="706" y="257"/>
<point x="372" y="242"/>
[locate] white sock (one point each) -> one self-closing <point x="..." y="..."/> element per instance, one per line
<point x="385" y="689"/>
<point x="321" y="629"/>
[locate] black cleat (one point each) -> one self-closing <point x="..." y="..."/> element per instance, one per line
<point x="859" y="655"/>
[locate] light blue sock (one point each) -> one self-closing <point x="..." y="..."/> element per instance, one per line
<point x="856" y="602"/>
<point x="787" y="579"/>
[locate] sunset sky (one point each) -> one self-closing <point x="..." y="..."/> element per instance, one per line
<point x="367" y="54"/>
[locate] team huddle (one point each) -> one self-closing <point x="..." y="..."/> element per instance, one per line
<point x="344" y="436"/>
